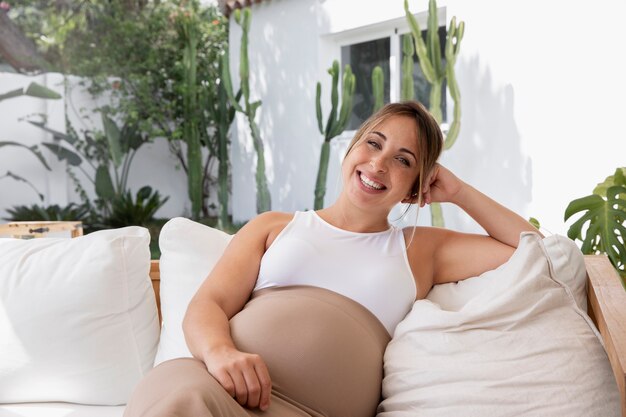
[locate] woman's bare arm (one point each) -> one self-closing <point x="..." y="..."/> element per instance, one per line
<point x="457" y="256"/>
<point x="222" y="295"/>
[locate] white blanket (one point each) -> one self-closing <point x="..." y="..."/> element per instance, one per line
<point x="511" y="342"/>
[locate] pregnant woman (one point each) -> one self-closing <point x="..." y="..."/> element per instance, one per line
<point x="294" y="318"/>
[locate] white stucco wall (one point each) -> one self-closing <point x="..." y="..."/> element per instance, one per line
<point x="541" y="86"/>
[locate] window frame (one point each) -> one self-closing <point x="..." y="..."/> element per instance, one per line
<point x="392" y="29"/>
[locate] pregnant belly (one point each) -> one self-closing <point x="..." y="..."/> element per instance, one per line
<point x="323" y="350"/>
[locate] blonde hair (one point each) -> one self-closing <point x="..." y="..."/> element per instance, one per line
<point x="428" y="133"/>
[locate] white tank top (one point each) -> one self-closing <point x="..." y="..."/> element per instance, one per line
<point x="370" y="268"/>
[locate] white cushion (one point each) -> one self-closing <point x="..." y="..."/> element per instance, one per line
<point x="78" y="318"/>
<point x="511" y="342"/>
<point x="568" y="266"/>
<point x="189" y="250"/>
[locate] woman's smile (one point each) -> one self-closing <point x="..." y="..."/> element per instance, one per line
<point x="370" y="184"/>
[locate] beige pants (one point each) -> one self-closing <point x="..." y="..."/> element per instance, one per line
<point x="323" y="350"/>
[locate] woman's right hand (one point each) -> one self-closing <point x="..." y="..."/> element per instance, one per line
<point x="243" y="375"/>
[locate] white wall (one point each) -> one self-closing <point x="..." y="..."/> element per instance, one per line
<point x="541" y="83"/>
<point x="153" y="164"/>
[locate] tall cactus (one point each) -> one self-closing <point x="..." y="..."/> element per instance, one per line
<point x="407" y="91"/>
<point x="378" y="88"/>
<point x="335" y="124"/>
<point x="224" y="113"/>
<point x="263" y="198"/>
<point x="190" y="122"/>
<point x="429" y="54"/>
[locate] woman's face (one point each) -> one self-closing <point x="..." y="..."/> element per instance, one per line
<point x="382" y="167"/>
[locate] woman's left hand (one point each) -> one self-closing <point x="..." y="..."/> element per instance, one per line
<point x="441" y="186"/>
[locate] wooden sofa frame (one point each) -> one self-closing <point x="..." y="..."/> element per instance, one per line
<point x="606" y="301"/>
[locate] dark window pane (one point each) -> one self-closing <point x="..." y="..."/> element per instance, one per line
<point x="363" y="57"/>
<point x="420" y="85"/>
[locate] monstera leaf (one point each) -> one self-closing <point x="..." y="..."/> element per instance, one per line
<point x="606" y="218"/>
<point x="619" y="178"/>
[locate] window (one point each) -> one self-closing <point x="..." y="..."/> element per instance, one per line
<point x="363" y="58"/>
<point x="385" y="50"/>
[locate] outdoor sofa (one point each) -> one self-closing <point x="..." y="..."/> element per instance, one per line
<point x="81" y="322"/>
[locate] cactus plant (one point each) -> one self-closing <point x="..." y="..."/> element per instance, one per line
<point x="378" y="88"/>
<point x="407" y="90"/>
<point x="249" y="109"/>
<point x="335" y="124"/>
<point x="224" y="113"/>
<point x="191" y="133"/>
<point x="429" y="54"/>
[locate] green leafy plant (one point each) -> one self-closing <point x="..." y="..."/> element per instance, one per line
<point x="436" y="73"/>
<point x="32" y="90"/>
<point x="335" y="124"/>
<point x="604" y="215"/>
<point x="36" y="212"/>
<point x="104" y="158"/>
<point x="156" y="63"/>
<point x="138" y="211"/>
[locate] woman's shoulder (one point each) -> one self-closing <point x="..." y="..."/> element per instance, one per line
<point x="430" y="232"/>
<point x="424" y="240"/>
<point x="268" y="225"/>
<point x="272" y="218"/>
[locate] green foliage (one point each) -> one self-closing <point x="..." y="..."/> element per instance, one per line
<point x="158" y="62"/>
<point x="535" y="223"/>
<point x="52" y="24"/>
<point x="32" y="90"/>
<point x="138" y="211"/>
<point x="37" y="91"/>
<point x="619" y="178"/>
<point x="604" y="215"/>
<point x="429" y="55"/>
<point x="104" y="158"/>
<point x="336" y="122"/>
<point x="36" y="212"/>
